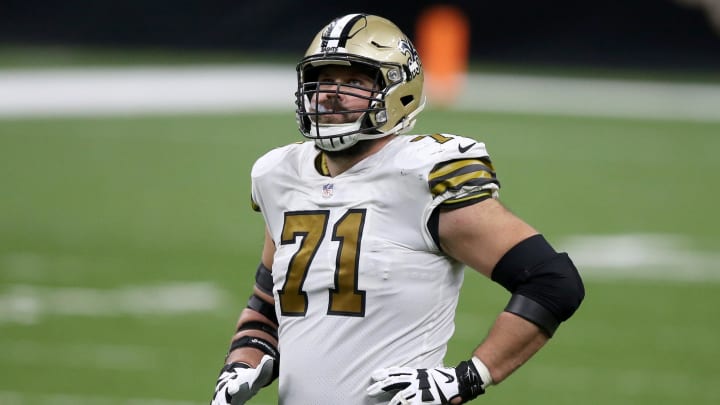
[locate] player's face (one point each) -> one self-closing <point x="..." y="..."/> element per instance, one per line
<point x="339" y="91"/>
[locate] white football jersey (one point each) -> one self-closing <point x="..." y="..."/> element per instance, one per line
<point x="359" y="282"/>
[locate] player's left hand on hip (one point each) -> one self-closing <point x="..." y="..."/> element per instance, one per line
<point x="439" y="385"/>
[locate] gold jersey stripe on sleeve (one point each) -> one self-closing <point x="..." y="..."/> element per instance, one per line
<point x="467" y="199"/>
<point x="461" y="173"/>
<point x="254" y="205"/>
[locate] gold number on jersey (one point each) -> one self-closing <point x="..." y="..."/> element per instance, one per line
<point x="439" y="138"/>
<point x="310" y="227"/>
<point x="345" y="298"/>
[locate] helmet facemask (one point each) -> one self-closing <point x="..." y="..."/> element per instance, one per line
<point x="379" y="50"/>
<point x="337" y="123"/>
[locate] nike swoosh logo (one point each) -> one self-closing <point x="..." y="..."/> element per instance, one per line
<point x="450" y="377"/>
<point x="463" y="149"/>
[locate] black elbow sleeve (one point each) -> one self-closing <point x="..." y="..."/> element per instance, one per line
<point x="532" y="269"/>
<point x="556" y="285"/>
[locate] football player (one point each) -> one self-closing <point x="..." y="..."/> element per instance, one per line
<point x="368" y="231"/>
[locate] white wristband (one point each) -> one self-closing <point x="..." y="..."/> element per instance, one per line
<point x="483" y="371"/>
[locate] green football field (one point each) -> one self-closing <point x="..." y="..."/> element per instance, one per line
<point x="128" y="247"/>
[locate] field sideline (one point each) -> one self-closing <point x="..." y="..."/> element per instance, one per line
<point x="127" y="245"/>
<point x="148" y="90"/>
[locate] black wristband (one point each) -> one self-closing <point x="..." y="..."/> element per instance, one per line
<point x="257" y="343"/>
<point x="470" y="384"/>
<point x="262" y="345"/>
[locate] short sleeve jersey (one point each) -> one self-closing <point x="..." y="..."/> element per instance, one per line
<point x="359" y="280"/>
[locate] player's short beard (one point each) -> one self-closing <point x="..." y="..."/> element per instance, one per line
<point x="339" y="116"/>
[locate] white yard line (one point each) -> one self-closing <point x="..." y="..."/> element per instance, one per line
<point x="86" y="355"/>
<point x="641" y="257"/>
<point x="41" y="397"/>
<point x="29" y="304"/>
<point x="599" y="257"/>
<point x="83" y="92"/>
<point x="150" y="90"/>
<point x="592" y="97"/>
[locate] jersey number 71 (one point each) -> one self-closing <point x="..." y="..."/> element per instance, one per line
<point x="308" y="228"/>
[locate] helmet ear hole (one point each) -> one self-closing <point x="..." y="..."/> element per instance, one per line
<point x="405" y="100"/>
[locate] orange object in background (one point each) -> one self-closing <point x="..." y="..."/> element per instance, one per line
<point x="443" y="42"/>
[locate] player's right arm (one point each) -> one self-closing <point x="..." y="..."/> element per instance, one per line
<point x="253" y="358"/>
<point x="260" y="310"/>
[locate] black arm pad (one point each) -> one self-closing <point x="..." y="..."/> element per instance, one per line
<point x="534" y="270"/>
<point x="264" y="280"/>
<point x="261" y="326"/>
<point x="530" y="310"/>
<point x="265" y="308"/>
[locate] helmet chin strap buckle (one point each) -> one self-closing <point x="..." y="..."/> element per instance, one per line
<point x="381" y="116"/>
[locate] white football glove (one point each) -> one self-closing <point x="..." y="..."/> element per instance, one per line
<point x="437" y="386"/>
<point x="238" y="382"/>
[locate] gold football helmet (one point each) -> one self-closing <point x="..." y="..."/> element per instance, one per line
<point x="380" y="48"/>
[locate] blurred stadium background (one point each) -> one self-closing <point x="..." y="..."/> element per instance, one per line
<point x="127" y="131"/>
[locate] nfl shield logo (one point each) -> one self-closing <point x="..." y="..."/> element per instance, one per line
<point x="327" y="190"/>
